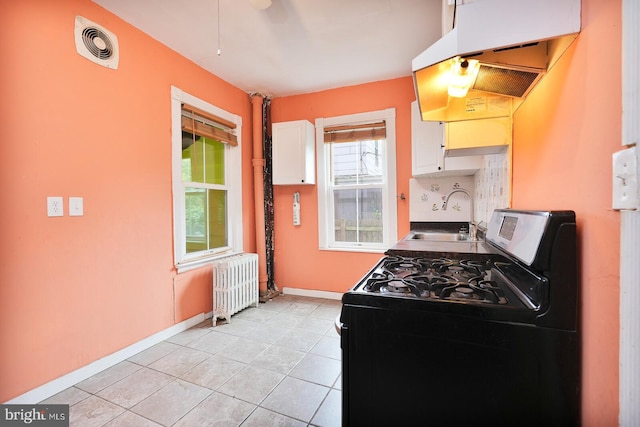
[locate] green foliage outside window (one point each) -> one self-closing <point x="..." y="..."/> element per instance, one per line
<point x="203" y="163"/>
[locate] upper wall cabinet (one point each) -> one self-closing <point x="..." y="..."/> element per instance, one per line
<point x="427" y="150"/>
<point x="293" y="153"/>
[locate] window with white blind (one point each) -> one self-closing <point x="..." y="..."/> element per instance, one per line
<point x="357" y="181"/>
<point x="207" y="181"/>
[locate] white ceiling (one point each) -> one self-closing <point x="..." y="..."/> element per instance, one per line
<point x="294" y="46"/>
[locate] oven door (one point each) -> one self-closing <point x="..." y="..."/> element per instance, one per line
<point x="416" y="368"/>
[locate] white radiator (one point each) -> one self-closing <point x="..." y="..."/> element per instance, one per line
<point x="235" y="285"/>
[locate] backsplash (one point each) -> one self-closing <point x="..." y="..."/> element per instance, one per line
<point x="427" y="194"/>
<point x="490" y="187"/>
<point x="493" y="185"/>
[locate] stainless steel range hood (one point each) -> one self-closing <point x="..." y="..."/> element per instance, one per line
<point x="515" y="41"/>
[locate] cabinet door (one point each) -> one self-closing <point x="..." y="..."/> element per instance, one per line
<point x="427" y="139"/>
<point x="293" y="153"/>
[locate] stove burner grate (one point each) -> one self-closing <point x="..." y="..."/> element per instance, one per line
<point x="439" y="279"/>
<point x="482" y="291"/>
<point x="394" y="286"/>
<point x="445" y="265"/>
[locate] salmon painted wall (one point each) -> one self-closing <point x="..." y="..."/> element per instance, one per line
<point x="75" y="289"/>
<point x="564" y="135"/>
<point x="298" y="261"/>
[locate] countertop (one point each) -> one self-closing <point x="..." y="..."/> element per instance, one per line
<point x="416" y="247"/>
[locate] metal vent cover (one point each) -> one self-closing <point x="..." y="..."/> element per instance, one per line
<point x="506" y="81"/>
<point x="96" y="43"/>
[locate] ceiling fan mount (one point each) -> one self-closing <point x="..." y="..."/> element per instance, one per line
<point x="260" y="4"/>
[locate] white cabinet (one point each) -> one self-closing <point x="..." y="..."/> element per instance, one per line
<point x="427" y="154"/>
<point x="427" y="150"/>
<point x="293" y="153"/>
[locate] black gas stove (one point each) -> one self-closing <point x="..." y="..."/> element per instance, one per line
<point x="481" y="337"/>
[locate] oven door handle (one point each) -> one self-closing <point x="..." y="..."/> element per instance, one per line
<point x="338" y="325"/>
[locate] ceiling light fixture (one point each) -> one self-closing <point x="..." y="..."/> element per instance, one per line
<point x="260" y="4"/>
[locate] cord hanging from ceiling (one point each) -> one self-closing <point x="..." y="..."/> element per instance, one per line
<point x="455" y="10"/>
<point x="219" y="51"/>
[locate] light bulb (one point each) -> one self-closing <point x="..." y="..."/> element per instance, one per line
<point x="463" y="74"/>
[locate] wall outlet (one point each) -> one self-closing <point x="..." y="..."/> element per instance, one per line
<point x="625" y="180"/>
<point x="55" y="206"/>
<point x="76" y="206"/>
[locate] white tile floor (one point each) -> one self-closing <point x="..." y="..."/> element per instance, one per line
<point x="275" y="365"/>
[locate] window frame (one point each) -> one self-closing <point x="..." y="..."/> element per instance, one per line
<point x="184" y="261"/>
<point x="326" y="222"/>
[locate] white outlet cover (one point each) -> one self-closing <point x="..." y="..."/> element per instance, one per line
<point x="55" y="206"/>
<point x="76" y="206"/>
<point x="625" y="180"/>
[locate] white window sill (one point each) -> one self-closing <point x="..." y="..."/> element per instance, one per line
<point x="192" y="264"/>
<point x="355" y="249"/>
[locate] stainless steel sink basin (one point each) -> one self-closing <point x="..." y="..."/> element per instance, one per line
<point x="437" y="236"/>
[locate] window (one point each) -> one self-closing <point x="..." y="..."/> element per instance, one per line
<point x="356" y="181"/>
<point x="207" y="181"/>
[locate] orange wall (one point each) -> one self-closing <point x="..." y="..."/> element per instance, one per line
<point x="564" y="135"/>
<point x="75" y="289"/>
<point x="298" y="261"/>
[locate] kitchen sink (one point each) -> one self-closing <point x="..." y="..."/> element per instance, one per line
<point x="438" y="236"/>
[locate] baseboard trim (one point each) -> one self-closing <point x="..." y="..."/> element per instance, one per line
<point x="53" y="387"/>
<point x="312" y="293"/>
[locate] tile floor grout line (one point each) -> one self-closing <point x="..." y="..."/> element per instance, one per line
<point x="319" y="311"/>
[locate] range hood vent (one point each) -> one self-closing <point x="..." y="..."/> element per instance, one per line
<point x="505" y="81"/>
<point x="515" y="41"/>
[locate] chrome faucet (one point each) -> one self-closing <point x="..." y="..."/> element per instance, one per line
<point x="472" y="226"/>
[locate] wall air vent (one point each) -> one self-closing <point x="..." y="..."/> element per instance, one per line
<point x="96" y="43"/>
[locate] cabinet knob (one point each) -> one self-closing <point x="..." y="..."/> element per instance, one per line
<point x="302" y="180"/>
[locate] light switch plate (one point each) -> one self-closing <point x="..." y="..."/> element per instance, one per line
<point x="76" y="206"/>
<point x="55" y="206"/>
<point x="625" y="180"/>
